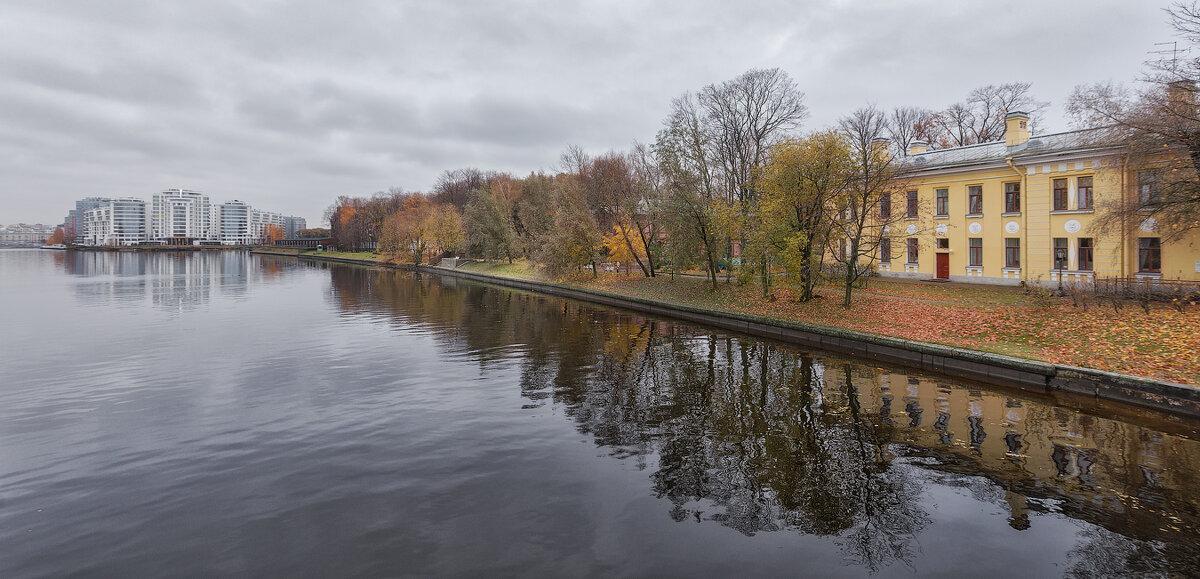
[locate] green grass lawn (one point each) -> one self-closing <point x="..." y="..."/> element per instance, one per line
<point x="365" y="255"/>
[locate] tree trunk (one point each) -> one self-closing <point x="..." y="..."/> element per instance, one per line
<point x="629" y="245"/>
<point x="851" y="272"/>
<point x="806" y="272"/>
<point x="728" y="259"/>
<point x="646" y="245"/>
<point x="712" y="265"/>
<point x="766" y="275"/>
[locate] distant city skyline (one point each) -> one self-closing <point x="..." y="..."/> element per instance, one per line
<point x="295" y="103"/>
<point x="172" y="217"/>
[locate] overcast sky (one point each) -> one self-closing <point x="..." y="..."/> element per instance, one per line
<point x="286" y="104"/>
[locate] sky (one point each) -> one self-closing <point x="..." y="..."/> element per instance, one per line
<point x="288" y="104"/>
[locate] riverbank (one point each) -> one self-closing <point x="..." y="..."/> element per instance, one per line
<point x="963" y="319"/>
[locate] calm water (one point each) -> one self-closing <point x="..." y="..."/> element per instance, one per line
<point x="227" y="414"/>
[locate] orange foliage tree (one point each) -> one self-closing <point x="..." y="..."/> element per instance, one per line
<point x="57" y="237"/>
<point x="271" y="234"/>
<point x="421" y="229"/>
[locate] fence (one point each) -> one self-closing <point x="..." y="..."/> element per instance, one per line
<point x="1161" y="290"/>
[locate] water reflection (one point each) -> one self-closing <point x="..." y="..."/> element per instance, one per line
<point x="172" y="281"/>
<point x="760" y="438"/>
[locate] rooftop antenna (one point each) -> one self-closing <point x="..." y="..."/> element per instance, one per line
<point x="1174" y="52"/>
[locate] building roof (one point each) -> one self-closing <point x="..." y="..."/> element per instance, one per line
<point x="1038" y="145"/>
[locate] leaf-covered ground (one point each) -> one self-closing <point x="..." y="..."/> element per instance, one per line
<point x="1163" y="344"/>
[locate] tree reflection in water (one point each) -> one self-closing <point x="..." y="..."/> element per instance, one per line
<point x="759" y="437"/>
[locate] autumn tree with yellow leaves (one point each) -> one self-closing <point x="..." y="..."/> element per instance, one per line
<point x="800" y="187"/>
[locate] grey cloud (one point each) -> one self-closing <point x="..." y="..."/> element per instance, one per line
<point x="289" y="103"/>
<point x="141" y="83"/>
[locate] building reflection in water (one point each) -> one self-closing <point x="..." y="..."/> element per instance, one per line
<point x="760" y="437"/>
<point x="171" y="281"/>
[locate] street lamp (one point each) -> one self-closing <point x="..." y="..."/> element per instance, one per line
<point x="1060" y="259"/>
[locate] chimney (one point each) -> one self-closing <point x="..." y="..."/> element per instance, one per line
<point x="1181" y="95"/>
<point x="917" y="147"/>
<point x="1016" y="128"/>
<point x="881" y="148"/>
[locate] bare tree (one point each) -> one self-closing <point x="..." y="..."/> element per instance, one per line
<point x="690" y="172"/>
<point x="1159" y="124"/>
<point x="980" y="118"/>
<point x="908" y="124"/>
<point x="875" y="176"/>
<point x="650" y="200"/>
<point x="456" y="186"/>
<point x="744" y="116"/>
<point x="573" y="160"/>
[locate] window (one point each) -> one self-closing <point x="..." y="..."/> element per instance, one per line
<point x="943" y="243"/>
<point x="1060" y="247"/>
<point x="1148" y="191"/>
<point x="885" y="207"/>
<point x="913" y="253"/>
<point x="943" y="202"/>
<point x="1060" y="195"/>
<point x="1149" y="255"/>
<point x="1083" y="193"/>
<point x="1012" y="197"/>
<point x="911" y="208"/>
<point x="885" y="250"/>
<point x="1085" y="254"/>
<point x="975" y="252"/>
<point x="975" y="200"/>
<point x="1012" y="252"/>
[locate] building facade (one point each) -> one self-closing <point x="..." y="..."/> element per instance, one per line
<point x="73" y="224"/>
<point x="118" y="222"/>
<point x="234" y="223"/>
<point x="292" y="225"/>
<point x="25" y="234"/>
<point x="259" y="220"/>
<point x="173" y="217"/>
<point x="1025" y="210"/>
<point x="180" y="217"/>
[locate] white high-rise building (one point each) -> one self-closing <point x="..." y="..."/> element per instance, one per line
<point x="235" y="223"/>
<point x="259" y="220"/>
<point x="180" y="216"/>
<point x="118" y="222"/>
<point x="174" y="217"/>
<point x="73" y="225"/>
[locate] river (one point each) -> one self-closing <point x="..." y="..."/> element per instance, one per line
<point x="223" y="413"/>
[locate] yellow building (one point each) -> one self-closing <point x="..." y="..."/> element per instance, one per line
<point x="1001" y="212"/>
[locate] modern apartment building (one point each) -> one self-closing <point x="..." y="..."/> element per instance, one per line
<point x="292" y="225"/>
<point x="73" y="224"/>
<point x="1025" y="209"/>
<point x="180" y="217"/>
<point x="234" y="223"/>
<point x="259" y="220"/>
<point x="173" y="217"/>
<point x="118" y="222"/>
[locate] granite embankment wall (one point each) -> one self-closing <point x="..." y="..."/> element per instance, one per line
<point x="935" y="358"/>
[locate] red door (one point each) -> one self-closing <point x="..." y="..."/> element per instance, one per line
<point x="943" y="266"/>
